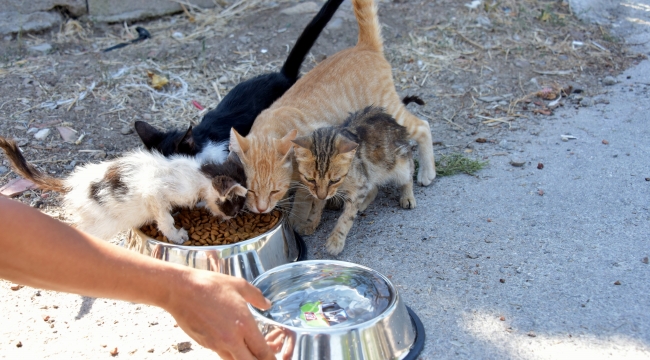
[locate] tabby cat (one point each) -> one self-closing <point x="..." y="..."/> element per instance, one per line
<point x="350" y="162"/>
<point x="343" y="83"/>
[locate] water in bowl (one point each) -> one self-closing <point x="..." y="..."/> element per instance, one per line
<point x="361" y="294"/>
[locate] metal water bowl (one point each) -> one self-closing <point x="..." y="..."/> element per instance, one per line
<point x="324" y="309"/>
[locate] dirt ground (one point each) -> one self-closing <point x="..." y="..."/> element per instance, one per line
<point x="482" y="72"/>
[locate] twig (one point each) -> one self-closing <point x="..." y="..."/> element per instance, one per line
<point x="111" y="111"/>
<point x="470" y="41"/>
<point x="559" y="72"/>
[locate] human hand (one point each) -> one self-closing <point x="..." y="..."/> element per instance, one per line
<point x="211" y="308"/>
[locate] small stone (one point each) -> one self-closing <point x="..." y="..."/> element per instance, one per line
<point x="540" y="192"/>
<point x="42" y="134"/>
<point x="150" y="350"/>
<point x="114" y="351"/>
<point x="19" y="344"/>
<point x="183" y="346"/>
<point x="605" y="142"/>
<point x="505" y="145"/>
<point x="502" y="280"/>
<point x="472" y="256"/>
<point x="647" y="179"/>
<point x="481" y="140"/>
<point x="42" y="48"/>
<point x="491" y="98"/>
<point x="540" y="166"/>
<point x="517" y="163"/>
<point x="645" y="260"/>
<point x="148" y="116"/>
<point x="502" y="318"/>
<point x="617" y="282"/>
<point x="126" y="130"/>
<point x="3" y="170"/>
<point x="16" y="287"/>
<point x="484" y="21"/>
<point x="587" y="102"/>
<point x="100" y="154"/>
<point x="45" y="317"/>
<point x="609" y="80"/>
<point x="177" y="35"/>
<point x="532" y="334"/>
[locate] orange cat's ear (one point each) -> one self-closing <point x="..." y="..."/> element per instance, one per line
<point x="285" y="144"/>
<point x="238" y="143"/>
<point x="304" y="142"/>
<point x="346" y="145"/>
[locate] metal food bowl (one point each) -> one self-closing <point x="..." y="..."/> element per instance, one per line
<point x="324" y="309"/>
<point x="246" y="259"/>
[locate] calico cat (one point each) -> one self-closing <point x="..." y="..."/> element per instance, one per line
<point x="343" y="83"/>
<point x="243" y="103"/>
<point x="137" y="188"/>
<point x="350" y="162"/>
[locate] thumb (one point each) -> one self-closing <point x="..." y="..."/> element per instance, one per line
<point x="254" y="296"/>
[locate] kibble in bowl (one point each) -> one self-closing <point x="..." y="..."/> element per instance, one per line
<point x="245" y="246"/>
<point x="204" y="229"/>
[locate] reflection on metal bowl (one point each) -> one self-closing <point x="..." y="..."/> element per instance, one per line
<point x="246" y="259"/>
<point x="324" y="309"/>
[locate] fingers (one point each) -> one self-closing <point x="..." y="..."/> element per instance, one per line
<point x="241" y="352"/>
<point x="253" y="295"/>
<point x="257" y="345"/>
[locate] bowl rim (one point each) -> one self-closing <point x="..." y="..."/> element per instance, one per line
<point x="384" y="314"/>
<point x="281" y="222"/>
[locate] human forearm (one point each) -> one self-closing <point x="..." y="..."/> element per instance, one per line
<point x="42" y="252"/>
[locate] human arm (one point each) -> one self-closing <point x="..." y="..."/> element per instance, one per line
<point x="42" y="252"/>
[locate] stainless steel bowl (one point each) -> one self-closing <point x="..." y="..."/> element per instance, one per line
<point x="246" y="259"/>
<point x="324" y="309"/>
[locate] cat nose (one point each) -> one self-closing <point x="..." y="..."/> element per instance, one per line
<point x="261" y="209"/>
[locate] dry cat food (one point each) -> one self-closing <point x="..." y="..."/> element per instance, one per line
<point x="205" y="229"/>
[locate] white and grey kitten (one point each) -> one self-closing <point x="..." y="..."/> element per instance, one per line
<point x="137" y="188"/>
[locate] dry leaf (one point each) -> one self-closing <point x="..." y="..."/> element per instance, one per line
<point x="157" y="81"/>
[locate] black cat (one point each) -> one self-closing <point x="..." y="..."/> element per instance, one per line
<point x="241" y="106"/>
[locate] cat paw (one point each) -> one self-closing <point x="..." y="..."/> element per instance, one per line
<point x="426" y="175"/>
<point x="306" y="228"/>
<point x="407" y="202"/>
<point x="334" y="245"/>
<point x="179" y="237"/>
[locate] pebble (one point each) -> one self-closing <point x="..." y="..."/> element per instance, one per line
<point x="3" y="170"/>
<point x="177" y="35"/>
<point x="150" y="350"/>
<point x="42" y="134"/>
<point x="335" y="23"/>
<point x="114" y="352"/>
<point x="483" y="21"/>
<point x="609" y="80"/>
<point x="100" y="155"/>
<point x="183" y="346"/>
<point x="148" y="116"/>
<point x="505" y="145"/>
<point x="19" y="344"/>
<point x="587" y="102"/>
<point x="43" y="48"/>
<point x="16" y="287"/>
<point x="126" y="130"/>
<point x="517" y="163"/>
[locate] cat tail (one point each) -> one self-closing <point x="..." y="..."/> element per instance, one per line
<point x="369" y="28"/>
<point x="291" y="67"/>
<point x="413" y="99"/>
<point x="27" y="170"/>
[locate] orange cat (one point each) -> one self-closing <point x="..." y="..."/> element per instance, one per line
<point x="346" y="82"/>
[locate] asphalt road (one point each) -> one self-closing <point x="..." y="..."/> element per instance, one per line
<point x="529" y="263"/>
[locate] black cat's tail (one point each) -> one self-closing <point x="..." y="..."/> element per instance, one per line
<point x="27" y="170"/>
<point x="413" y="98"/>
<point x="291" y="67"/>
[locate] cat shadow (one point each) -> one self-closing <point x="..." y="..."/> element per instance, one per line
<point x="86" y="305"/>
